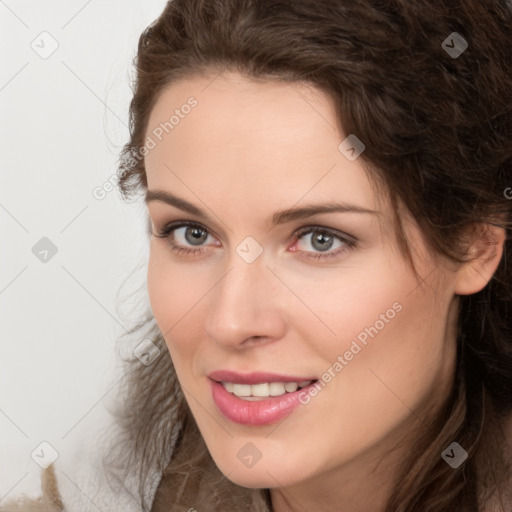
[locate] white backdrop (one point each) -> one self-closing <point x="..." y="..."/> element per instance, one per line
<point x="64" y="96"/>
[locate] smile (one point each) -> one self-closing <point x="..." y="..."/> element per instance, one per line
<point x="263" y="390"/>
<point x="257" y="398"/>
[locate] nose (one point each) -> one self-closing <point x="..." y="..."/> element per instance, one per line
<point x="246" y="306"/>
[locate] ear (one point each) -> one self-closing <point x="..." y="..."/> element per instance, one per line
<point x="485" y="251"/>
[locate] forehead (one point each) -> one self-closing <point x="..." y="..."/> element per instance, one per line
<point x="251" y="140"/>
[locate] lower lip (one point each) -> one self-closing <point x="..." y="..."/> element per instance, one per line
<point x="257" y="412"/>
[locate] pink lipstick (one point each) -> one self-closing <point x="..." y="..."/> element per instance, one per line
<point x="257" y="410"/>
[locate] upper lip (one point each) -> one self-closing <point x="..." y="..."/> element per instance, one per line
<point x="254" y="377"/>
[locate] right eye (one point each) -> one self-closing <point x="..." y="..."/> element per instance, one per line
<point x="191" y="233"/>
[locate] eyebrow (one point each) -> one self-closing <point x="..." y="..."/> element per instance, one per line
<point x="279" y="217"/>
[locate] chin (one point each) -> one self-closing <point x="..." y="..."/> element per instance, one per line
<point x="260" y="480"/>
<point x="260" y="476"/>
<point x="251" y="481"/>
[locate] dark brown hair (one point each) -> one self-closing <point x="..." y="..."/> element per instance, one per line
<point x="438" y="133"/>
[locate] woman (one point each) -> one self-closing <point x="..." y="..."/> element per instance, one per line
<point x="328" y="192"/>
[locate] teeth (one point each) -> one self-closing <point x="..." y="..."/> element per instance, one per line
<point x="242" y="389"/>
<point x="259" y="390"/>
<point x="278" y="388"/>
<point x="265" y="389"/>
<point x="291" y="387"/>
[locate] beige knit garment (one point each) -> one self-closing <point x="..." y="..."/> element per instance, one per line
<point x="50" y="501"/>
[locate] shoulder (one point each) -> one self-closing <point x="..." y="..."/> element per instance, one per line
<point x="77" y="481"/>
<point x="49" y="501"/>
<point x="83" y="480"/>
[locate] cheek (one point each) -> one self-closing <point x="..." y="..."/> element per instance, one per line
<point x="351" y="302"/>
<point x="175" y="292"/>
<point x="399" y="325"/>
<point x="403" y="362"/>
<point x="161" y="283"/>
<point x="172" y="288"/>
<point x="389" y="332"/>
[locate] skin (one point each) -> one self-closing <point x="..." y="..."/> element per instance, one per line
<point x="245" y="151"/>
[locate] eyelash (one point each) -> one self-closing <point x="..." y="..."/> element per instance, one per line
<point x="349" y="244"/>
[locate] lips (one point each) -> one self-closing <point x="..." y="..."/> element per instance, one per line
<point x="255" y="413"/>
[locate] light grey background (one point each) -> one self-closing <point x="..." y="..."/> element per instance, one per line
<point x="64" y="119"/>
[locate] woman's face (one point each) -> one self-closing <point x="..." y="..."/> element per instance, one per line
<point x="261" y="282"/>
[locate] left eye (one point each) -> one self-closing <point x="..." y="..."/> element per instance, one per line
<point x="323" y="239"/>
<point x="186" y="235"/>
